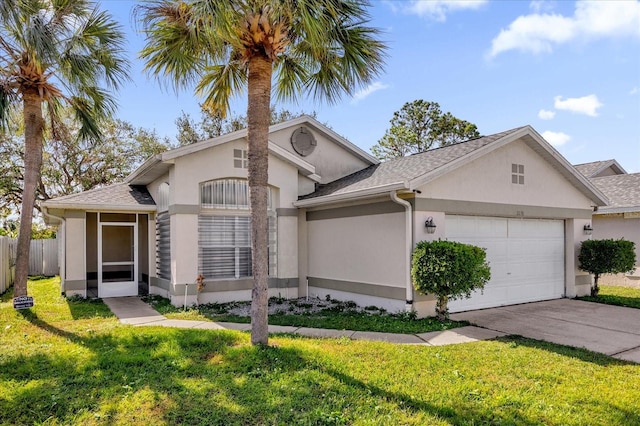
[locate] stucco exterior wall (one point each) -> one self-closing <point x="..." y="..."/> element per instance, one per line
<point x="217" y="162"/>
<point x="358" y="254"/>
<point x="616" y="226"/>
<point x="75" y="270"/>
<point x="331" y="160"/>
<point x="488" y="180"/>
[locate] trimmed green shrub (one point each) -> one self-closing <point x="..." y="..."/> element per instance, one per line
<point x="448" y="269"/>
<point x="606" y="257"/>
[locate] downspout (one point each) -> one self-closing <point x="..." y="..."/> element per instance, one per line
<point x="409" y="248"/>
<point x="62" y="262"/>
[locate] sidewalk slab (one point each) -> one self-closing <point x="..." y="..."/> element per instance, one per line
<point x="466" y="334"/>
<point x="632" y="355"/>
<point x="282" y="329"/>
<point x="235" y="326"/>
<point x="207" y="325"/>
<point x="388" y="337"/>
<point x="324" y="333"/>
<point x="132" y="310"/>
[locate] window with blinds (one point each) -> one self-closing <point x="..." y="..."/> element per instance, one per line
<point x="227" y="194"/>
<point x="163" y="245"/>
<point x="224" y="239"/>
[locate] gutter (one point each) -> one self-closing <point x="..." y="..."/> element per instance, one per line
<point x="362" y="194"/>
<point x="409" y="247"/>
<point x="62" y="262"/>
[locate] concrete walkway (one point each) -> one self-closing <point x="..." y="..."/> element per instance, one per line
<point x="611" y="330"/>
<point x="133" y="311"/>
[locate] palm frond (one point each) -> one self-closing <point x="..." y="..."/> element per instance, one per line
<point x="8" y="97"/>
<point x="219" y="84"/>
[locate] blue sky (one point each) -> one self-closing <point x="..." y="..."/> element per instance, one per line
<point x="569" y="69"/>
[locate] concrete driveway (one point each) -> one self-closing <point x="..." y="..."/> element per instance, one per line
<point x="607" y="329"/>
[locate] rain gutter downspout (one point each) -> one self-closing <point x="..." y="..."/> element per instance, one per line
<point x="409" y="248"/>
<point x="62" y="262"/>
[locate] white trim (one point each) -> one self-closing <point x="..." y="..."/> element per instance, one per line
<point x="105" y="207"/>
<point x="118" y="288"/>
<point x="308" y="169"/>
<point x="359" y="194"/>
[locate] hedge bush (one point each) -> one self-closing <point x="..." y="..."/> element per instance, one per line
<point x="606" y="257"/>
<point x="448" y="269"/>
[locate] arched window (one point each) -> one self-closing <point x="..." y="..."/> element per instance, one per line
<point x="224" y="237"/>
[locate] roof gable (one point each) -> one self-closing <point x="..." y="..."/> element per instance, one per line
<point x="600" y="168"/>
<point x="413" y="171"/>
<point x="160" y="164"/>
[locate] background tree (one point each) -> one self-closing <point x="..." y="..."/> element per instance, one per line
<point x="71" y="164"/>
<point x="609" y="256"/>
<point x="419" y="126"/>
<point x="317" y="47"/>
<point x="54" y="52"/>
<point x="213" y="124"/>
<point x="450" y="270"/>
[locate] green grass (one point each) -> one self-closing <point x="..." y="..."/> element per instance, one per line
<point x="340" y="316"/>
<point x="72" y="363"/>
<point x="616" y="295"/>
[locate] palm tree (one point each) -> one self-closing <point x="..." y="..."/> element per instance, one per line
<point x="317" y="47"/>
<point x="52" y="53"/>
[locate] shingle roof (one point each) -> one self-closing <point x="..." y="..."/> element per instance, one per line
<point x="592" y="169"/>
<point x="119" y="194"/>
<point x="622" y="190"/>
<point x="403" y="169"/>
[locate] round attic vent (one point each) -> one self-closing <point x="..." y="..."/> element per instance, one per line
<point x="303" y="141"/>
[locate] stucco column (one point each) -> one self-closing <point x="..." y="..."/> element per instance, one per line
<point x="184" y="257"/>
<point x="577" y="282"/>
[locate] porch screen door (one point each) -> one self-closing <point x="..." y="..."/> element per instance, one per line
<point x="117" y="259"/>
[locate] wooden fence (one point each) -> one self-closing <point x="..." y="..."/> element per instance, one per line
<point x="43" y="260"/>
<point x="43" y="257"/>
<point x="7" y="262"/>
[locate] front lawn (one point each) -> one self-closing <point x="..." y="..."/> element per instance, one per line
<point x="616" y="295"/>
<point x="72" y="363"/>
<point x="334" y="315"/>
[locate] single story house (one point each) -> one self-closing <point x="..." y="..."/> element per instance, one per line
<point x="621" y="217"/>
<point x="341" y="223"/>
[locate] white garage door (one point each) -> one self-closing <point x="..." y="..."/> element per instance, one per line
<point x="526" y="258"/>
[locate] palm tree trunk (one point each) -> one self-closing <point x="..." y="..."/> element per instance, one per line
<point x="33" y="128"/>
<point x="258" y="117"/>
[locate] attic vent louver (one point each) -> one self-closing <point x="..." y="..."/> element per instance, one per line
<point x="303" y="141"/>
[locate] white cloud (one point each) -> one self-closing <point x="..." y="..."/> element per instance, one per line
<point x="541" y="6"/>
<point x="438" y="9"/>
<point x="373" y="87"/>
<point x="556" y="138"/>
<point x="587" y="105"/>
<point x="539" y="33"/>
<point x="634" y="91"/>
<point x="546" y="115"/>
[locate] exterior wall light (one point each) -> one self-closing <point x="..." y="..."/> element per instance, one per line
<point x="431" y="227"/>
<point x="588" y="230"/>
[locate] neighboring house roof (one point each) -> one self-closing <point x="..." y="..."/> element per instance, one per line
<point x="158" y="165"/>
<point x="117" y="197"/>
<point x="593" y="169"/>
<point x="623" y="192"/>
<point x="410" y="172"/>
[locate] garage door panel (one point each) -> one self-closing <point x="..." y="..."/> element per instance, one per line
<point x="526" y="258"/>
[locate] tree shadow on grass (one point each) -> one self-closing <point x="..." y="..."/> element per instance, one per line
<point x="568" y="351"/>
<point x="88" y="308"/>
